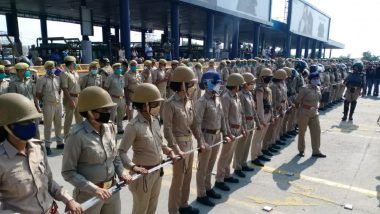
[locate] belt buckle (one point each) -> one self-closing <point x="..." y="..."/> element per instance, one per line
<point x="107" y="184"/>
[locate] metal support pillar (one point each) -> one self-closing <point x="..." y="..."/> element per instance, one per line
<point x="143" y="41"/>
<point x="189" y="45"/>
<point x="235" y="38"/>
<point x="225" y="38"/>
<point x="125" y="27"/>
<point x="313" y="49"/>
<point x="174" y="9"/>
<point x="44" y="30"/>
<point x="210" y="35"/>
<point x="320" y="47"/>
<point x="288" y="45"/>
<point x="117" y="34"/>
<point x="256" y="39"/>
<point x="307" y="42"/>
<point x="13" y="30"/>
<point x="299" y="47"/>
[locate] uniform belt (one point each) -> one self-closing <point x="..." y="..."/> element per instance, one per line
<point x="148" y="167"/>
<point x="106" y="184"/>
<point x="117" y="97"/>
<point x="73" y="95"/>
<point x="307" y="106"/>
<point x="211" y="131"/>
<point x="249" y="118"/>
<point x="184" y="138"/>
<point x="235" y="126"/>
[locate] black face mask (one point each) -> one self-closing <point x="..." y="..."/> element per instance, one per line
<point x="267" y="79"/>
<point x="104" y="117"/>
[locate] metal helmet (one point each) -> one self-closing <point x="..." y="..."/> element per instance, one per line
<point x="280" y="74"/>
<point x="314" y="68"/>
<point x="94" y="97"/>
<point x="235" y="79"/>
<point x="313" y="75"/>
<point x="162" y="62"/>
<point x="288" y="71"/>
<point x="183" y="74"/>
<point x="146" y="93"/>
<point x="300" y="65"/>
<point x="148" y="63"/>
<point x="358" y="65"/>
<point x="266" y="72"/>
<point x="212" y="76"/>
<point x="16" y="108"/>
<point x="6" y="63"/>
<point x="248" y="77"/>
<point x="49" y="65"/>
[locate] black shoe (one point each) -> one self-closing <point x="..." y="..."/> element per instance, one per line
<point x="283" y="138"/>
<point x="212" y="194"/>
<point x="279" y="142"/>
<point x="48" y="151"/>
<point x="272" y="150"/>
<point x="231" y="180"/>
<point x="301" y="154"/>
<point x="247" y="169"/>
<point x="205" y="201"/>
<point x="239" y="173"/>
<point x="266" y="152"/>
<point x="275" y="147"/>
<point x="344" y="118"/>
<point x="188" y="210"/>
<point x="293" y="133"/>
<point x="60" y="146"/>
<point x="263" y="158"/>
<point x="257" y="162"/>
<point x="288" y="136"/>
<point x="320" y="155"/>
<point x="222" y="186"/>
<point x="350" y="118"/>
<point x="120" y="132"/>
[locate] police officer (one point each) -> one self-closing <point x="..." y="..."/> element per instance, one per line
<point x="308" y="116"/>
<point x="49" y="91"/>
<point x="90" y="161"/>
<point x="71" y="89"/>
<point x="24" y="189"/>
<point x="105" y="69"/>
<point x="146" y="74"/>
<point x="132" y="80"/>
<point x="143" y="135"/>
<point x="170" y="72"/>
<point x="211" y="124"/>
<point x="235" y="126"/>
<point x="198" y="74"/>
<point x="4" y="83"/>
<point x="92" y="78"/>
<point x="355" y="83"/>
<point x="179" y="126"/>
<point x="115" y="85"/>
<point x="159" y="77"/>
<point x="263" y="99"/>
<point x="248" y="105"/>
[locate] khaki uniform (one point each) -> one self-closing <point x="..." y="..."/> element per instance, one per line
<point x="288" y="123"/>
<point x="70" y="80"/>
<point x="340" y="86"/>
<point x="179" y="125"/>
<point x="353" y="90"/>
<point x="91" y="80"/>
<point x="211" y="123"/>
<point x="169" y="91"/>
<point x="50" y="89"/>
<point x="146" y="141"/>
<point x="242" y="149"/>
<point x="4" y="86"/>
<point x="146" y="76"/>
<point x="325" y="82"/>
<point x="234" y="115"/>
<point x="308" y="116"/>
<point x="334" y="88"/>
<point x="198" y="75"/>
<point x="26" y="181"/>
<point x="132" y="80"/>
<point x="90" y="160"/>
<point x="159" y="79"/>
<point x="263" y="99"/>
<point x="115" y="86"/>
<point x="105" y="72"/>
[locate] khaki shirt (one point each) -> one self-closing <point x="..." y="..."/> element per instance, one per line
<point x="115" y="85"/>
<point x="310" y="95"/>
<point x="70" y="80"/>
<point x="146" y="76"/>
<point x="26" y="181"/>
<point x="233" y="111"/>
<point x="132" y="80"/>
<point x="263" y="98"/>
<point x="210" y="114"/>
<point x="24" y="87"/>
<point x="248" y="106"/>
<point x="50" y="89"/>
<point x="179" y="120"/>
<point x="279" y="97"/>
<point x="4" y="86"/>
<point x="146" y="141"/>
<point x="158" y="75"/>
<point x="90" y="157"/>
<point x="91" y="80"/>
<point x="225" y="73"/>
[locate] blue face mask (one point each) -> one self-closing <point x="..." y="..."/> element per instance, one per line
<point x="75" y="66"/>
<point x="49" y="72"/>
<point x="2" y="76"/>
<point x="94" y="71"/>
<point x="133" y="68"/>
<point x="118" y="71"/>
<point x="25" y="132"/>
<point x="27" y="74"/>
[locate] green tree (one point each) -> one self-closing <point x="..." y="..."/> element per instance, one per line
<point x="369" y="56"/>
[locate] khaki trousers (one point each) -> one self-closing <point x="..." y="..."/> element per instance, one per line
<point x="69" y="114"/>
<point x="119" y="112"/>
<point x="258" y="138"/>
<point x="145" y="192"/>
<point x="112" y="205"/>
<point x="179" y="191"/>
<point x="52" y="113"/>
<point x="242" y="148"/>
<point x="206" y="162"/>
<point x="225" y="158"/>
<point x="308" y="118"/>
<point x="129" y="109"/>
<point x="269" y="135"/>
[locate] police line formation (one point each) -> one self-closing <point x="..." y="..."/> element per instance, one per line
<point x="248" y="108"/>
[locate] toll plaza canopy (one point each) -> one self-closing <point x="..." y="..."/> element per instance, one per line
<point x="231" y="22"/>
